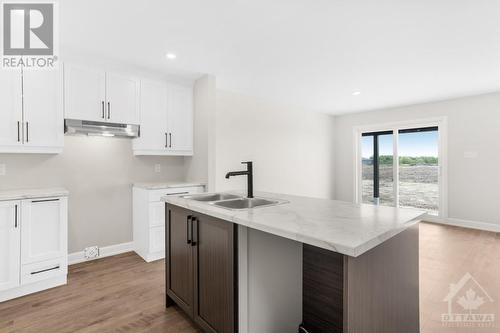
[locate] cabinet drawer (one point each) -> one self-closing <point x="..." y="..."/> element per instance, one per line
<point x="155" y="195"/>
<point x="43" y="270"/>
<point x="156" y="239"/>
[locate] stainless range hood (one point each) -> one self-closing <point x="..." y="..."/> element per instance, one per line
<point x="96" y="128"/>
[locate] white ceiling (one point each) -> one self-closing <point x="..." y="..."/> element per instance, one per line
<point x="310" y="53"/>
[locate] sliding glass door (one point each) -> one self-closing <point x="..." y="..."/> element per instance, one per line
<point x="378" y="168"/>
<point x="419" y="168"/>
<point x="400" y="167"/>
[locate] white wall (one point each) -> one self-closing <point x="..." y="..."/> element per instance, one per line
<point x="200" y="166"/>
<point x="98" y="172"/>
<point x="473" y="126"/>
<point x="292" y="149"/>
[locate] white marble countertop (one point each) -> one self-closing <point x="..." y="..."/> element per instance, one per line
<point x="165" y="185"/>
<point x="338" y="226"/>
<point x="21" y="194"/>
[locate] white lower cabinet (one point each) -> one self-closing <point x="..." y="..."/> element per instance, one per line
<point x="149" y="219"/>
<point x="33" y="245"/>
<point x="10" y="245"/>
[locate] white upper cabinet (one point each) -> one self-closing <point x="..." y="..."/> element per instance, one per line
<point x="166" y="119"/>
<point x="31" y="117"/>
<point x="122" y="98"/>
<point x="43" y="115"/>
<point x="180" y="119"/>
<point x="153" y="105"/>
<point x="11" y="104"/>
<point x="10" y="244"/>
<point x="84" y="93"/>
<point x="95" y="95"/>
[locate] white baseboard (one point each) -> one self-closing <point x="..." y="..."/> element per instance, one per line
<point x="105" y="251"/>
<point x="463" y="223"/>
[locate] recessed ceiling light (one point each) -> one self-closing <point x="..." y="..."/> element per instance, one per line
<point x="171" y="56"/>
<point x="356" y="93"/>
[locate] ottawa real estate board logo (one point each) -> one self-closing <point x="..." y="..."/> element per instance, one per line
<point x="30" y="35"/>
<point x="469" y="305"/>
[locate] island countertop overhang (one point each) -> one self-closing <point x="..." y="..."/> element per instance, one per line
<point x="343" y="227"/>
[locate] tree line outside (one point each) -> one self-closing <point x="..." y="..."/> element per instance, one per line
<point x="405" y="160"/>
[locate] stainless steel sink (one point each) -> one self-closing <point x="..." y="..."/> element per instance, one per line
<point x="212" y="197"/>
<point x="245" y="203"/>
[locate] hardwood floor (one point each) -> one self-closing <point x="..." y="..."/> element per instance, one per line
<point x="446" y="255"/>
<point x="125" y="294"/>
<point x="115" y="294"/>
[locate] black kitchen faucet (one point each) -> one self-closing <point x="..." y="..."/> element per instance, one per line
<point x="248" y="173"/>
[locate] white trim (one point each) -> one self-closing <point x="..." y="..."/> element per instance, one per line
<point x="105" y="251"/>
<point x="463" y="223"/>
<point x="441" y="122"/>
<point x="33" y="288"/>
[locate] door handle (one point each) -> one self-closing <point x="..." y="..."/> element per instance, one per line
<point x="194" y="231"/>
<point x="170" y="136"/>
<point x="166" y="140"/>
<point x="15" y="217"/>
<point x="109" y="110"/>
<point x="18" y="132"/>
<point x="103" y="112"/>
<point x="189" y="228"/>
<point x="27" y="132"/>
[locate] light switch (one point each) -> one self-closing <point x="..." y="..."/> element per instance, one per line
<point x="157" y="168"/>
<point x="471" y="154"/>
<point x="3" y="169"/>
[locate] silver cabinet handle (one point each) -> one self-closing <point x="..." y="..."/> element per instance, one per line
<point x="27" y="132"/>
<point x="45" y="270"/>
<point x="18" y="131"/>
<point x="170" y="135"/>
<point x="166" y="140"/>
<point x="103" y="114"/>
<point x="44" y="200"/>
<point x="15" y="217"/>
<point x="109" y="110"/>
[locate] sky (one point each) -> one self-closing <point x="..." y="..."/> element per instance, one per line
<point x="410" y="144"/>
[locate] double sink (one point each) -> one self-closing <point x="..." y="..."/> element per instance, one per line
<point x="232" y="201"/>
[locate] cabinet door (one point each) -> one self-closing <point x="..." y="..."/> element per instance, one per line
<point x="214" y="274"/>
<point x="10" y="245"/>
<point x="153" y="109"/>
<point x="180" y="119"/>
<point x="10" y="109"/>
<point x="122" y="95"/>
<point x="43" y="229"/>
<point x="43" y="114"/>
<point x="84" y="93"/>
<point x="179" y="259"/>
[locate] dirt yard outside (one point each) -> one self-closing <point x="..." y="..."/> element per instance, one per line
<point x="418" y="186"/>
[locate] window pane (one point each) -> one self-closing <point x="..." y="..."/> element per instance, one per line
<point x="385" y="170"/>
<point x="418" y="170"/>
<point x="386" y="167"/>
<point x="367" y="165"/>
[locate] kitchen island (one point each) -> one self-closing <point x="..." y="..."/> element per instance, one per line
<point x="359" y="262"/>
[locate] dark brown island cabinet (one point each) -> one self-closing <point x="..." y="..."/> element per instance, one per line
<point x="201" y="268"/>
<point x="376" y="292"/>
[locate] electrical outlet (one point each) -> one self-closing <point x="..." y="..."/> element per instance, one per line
<point x="157" y="168"/>
<point x="3" y="169"/>
<point x="91" y="252"/>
